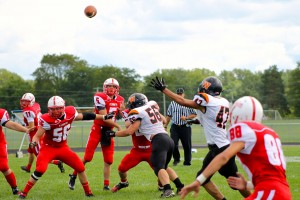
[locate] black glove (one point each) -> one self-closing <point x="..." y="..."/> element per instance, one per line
<point x="192" y="121"/>
<point x="105" y="140"/>
<point x="32" y="145"/>
<point x="109" y="115"/>
<point x="158" y="84"/>
<point x="110" y="133"/>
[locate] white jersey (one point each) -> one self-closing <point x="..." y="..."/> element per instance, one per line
<point x="151" y="121"/>
<point x="214" y="118"/>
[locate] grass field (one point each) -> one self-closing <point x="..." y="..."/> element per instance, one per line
<point x="53" y="185"/>
<point x="142" y="181"/>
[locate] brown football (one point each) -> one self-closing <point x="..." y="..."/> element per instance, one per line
<point x="90" y="11"/>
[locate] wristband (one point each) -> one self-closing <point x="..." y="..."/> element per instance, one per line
<point x="201" y="178"/>
<point x="249" y="185"/>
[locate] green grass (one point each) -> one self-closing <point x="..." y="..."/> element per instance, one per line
<point x="142" y="181"/>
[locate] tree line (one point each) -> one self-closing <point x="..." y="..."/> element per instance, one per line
<point x="76" y="81"/>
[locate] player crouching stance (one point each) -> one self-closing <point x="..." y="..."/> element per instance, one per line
<point x="55" y="126"/>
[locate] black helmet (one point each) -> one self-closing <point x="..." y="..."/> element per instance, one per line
<point x="136" y="100"/>
<point x="211" y="85"/>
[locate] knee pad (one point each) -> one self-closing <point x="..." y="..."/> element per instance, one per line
<point x="4" y="168"/>
<point x="36" y="175"/>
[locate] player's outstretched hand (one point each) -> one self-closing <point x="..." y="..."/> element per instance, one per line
<point x="158" y="84"/>
<point x="194" y="186"/>
<point x="110" y="133"/>
<point x="239" y="182"/>
<point x="109" y="115"/>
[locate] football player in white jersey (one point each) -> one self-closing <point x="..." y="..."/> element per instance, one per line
<point x="259" y="150"/>
<point x="146" y="120"/>
<point x="212" y="112"/>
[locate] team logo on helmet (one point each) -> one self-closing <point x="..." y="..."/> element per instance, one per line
<point x="206" y="84"/>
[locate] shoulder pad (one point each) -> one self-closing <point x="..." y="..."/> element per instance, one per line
<point x="120" y="98"/>
<point x="101" y="94"/>
<point x="70" y="110"/>
<point x="204" y="96"/>
<point x="133" y="112"/>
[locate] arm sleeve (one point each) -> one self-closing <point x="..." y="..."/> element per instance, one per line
<point x="88" y="116"/>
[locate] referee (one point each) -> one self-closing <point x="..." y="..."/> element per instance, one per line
<point x="180" y="130"/>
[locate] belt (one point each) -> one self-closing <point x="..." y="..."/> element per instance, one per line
<point x="144" y="147"/>
<point x="184" y="125"/>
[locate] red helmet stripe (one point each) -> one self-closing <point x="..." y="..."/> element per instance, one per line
<point x="254" y="109"/>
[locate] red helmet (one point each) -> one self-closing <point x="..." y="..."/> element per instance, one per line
<point x="111" y="87"/>
<point x="56" y="107"/>
<point x="27" y="99"/>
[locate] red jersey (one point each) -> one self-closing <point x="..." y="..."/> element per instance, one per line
<point x="4" y="117"/>
<point x="103" y="101"/>
<point x="32" y="114"/>
<point x="56" y="129"/>
<point x="262" y="157"/>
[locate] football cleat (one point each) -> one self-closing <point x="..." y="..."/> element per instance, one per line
<point x="72" y="181"/>
<point x="160" y="188"/>
<point x="22" y="195"/>
<point x="15" y="190"/>
<point x="106" y="187"/>
<point x="119" y="186"/>
<point x="89" y="195"/>
<point x="167" y="194"/>
<point x="61" y="166"/>
<point x="25" y="169"/>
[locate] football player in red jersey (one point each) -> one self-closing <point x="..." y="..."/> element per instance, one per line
<point x="104" y="102"/>
<point x="55" y="126"/>
<point x="31" y="112"/>
<point x="259" y="150"/>
<point x="4" y="168"/>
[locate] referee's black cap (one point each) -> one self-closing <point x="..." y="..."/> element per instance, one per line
<point x="180" y="91"/>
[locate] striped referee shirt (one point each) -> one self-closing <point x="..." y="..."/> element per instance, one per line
<point x="175" y="111"/>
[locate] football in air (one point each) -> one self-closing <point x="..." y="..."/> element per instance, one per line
<point x="90" y="11"/>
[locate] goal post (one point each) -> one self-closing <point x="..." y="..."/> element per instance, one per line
<point x="17" y="116"/>
<point x="272" y="115"/>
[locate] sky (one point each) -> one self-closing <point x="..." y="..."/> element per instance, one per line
<point x="149" y="35"/>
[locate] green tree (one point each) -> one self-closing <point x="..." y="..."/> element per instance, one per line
<point x="128" y="79"/>
<point x="293" y="92"/>
<point x="12" y="87"/>
<point x="272" y="91"/>
<point x="240" y="82"/>
<point x="175" y="78"/>
<point x="51" y="77"/>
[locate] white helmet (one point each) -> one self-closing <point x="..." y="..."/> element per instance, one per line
<point x="246" y="108"/>
<point x="112" y="91"/>
<point x="27" y="99"/>
<point x="56" y="107"/>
